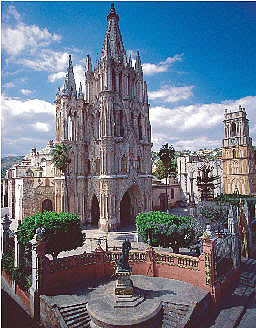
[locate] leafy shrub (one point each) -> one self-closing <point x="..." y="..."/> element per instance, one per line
<point x="165" y="229"/>
<point x="8" y="262"/>
<point x="62" y="231"/>
<point x="18" y="274"/>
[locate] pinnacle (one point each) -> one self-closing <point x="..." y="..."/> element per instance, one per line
<point x="113" y="45"/>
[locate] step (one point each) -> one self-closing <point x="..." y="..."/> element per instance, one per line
<point x="76" y="315"/>
<point x="72" y="305"/>
<point x="82" y="324"/>
<point x="71" y="323"/>
<point x="70" y="312"/>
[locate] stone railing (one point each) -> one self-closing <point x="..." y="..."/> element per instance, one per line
<point x="182" y="261"/>
<point x="69" y="263"/>
<point x="76" y="261"/>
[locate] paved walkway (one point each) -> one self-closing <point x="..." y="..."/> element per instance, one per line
<point x="249" y="318"/>
<point x="14" y="313"/>
<point x="232" y="309"/>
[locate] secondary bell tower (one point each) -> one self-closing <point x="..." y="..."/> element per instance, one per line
<point x="238" y="155"/>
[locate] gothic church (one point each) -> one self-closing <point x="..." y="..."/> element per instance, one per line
<point x="109" y="130"/>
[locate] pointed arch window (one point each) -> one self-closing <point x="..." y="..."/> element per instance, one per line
<point x="113" y="80"/>
<point x="124" y="164"/>
<point x="97" y="164"/>
<point x="140" y="127"/>
<point x="120" y="82"/>
<point x="139" y="165"/>
<point x="70" y="126"/>
<point x="121" y="124"/>
<point x="233" y="129"/>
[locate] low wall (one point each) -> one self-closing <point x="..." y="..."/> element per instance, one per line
<point x="65" y="272"/>
<point x="23" y="297"/>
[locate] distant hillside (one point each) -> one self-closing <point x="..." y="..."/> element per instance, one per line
<point x="7" y="162"/>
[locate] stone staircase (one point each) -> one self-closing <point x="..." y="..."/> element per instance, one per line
<point x="174" y="315"/>
<point x="248" y="272"/>
<point x="75" y="316"/>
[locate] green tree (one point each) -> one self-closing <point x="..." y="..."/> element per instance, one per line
<point x="62" y="231"/>
<point x="167" y="156"/>
<point x="61" y="160"/>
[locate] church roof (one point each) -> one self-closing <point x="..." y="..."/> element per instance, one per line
<point x="113" y="47"/>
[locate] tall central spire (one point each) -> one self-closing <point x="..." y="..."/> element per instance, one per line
<point x="113" y="45"/>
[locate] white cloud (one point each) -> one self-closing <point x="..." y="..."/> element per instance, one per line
<point x="26" y="92"/>
<point x="26" y="123"/>
<point x="11" y="11"/>
<point x="198" y="125"/>
<point x="17" y="107"/>
<point x="26" y="37"/>
<point x="169" y="94"/>
<point x="163" y="66"/>
<point x="40" y="126"/>
<point x="56" y="76"/>
<point x="9" y="85"/>
<point x="48" y="60"/>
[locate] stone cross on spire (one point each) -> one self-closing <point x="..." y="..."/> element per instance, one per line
<point x="113" y="45"/>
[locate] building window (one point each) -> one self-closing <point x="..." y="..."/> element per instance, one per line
<point x="172" y="193"/>
<point x="234" y="153"/>
<point x="124" y="164"/>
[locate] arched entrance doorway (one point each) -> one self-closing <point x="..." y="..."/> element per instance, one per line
<point x="47" y="205"/>
<point x="125" y="210"/>
<point x="95" y="211"/>
<point x="130" y="206"/>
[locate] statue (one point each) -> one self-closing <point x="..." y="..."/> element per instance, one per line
<point x="123" y="264"/>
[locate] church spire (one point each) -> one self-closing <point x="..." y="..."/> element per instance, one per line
<point x="70" y="84"/>
<point x="113" y="45"/>
<point x="138" y="66"/>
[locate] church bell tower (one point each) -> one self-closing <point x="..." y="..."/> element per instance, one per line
<point x="238" y="155"/>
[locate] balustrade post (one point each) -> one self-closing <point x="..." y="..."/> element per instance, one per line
<point x="38" y="251"/>
<point x="6" y="222"/>
<point x="100" y="265"/>
<point x="150" y="270"/>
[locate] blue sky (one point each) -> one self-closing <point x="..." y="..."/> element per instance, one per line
<point x="198" y="59"/>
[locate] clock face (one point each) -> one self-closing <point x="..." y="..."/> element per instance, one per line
<point x="233" y="141"/>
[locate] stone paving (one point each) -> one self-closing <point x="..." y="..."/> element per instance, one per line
<point x="249" y="318"/>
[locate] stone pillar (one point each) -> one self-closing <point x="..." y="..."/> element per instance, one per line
<point x="100" y="270"/>
<point x="248" y="219"/>
<point x="208" y="252"/>
<point x="17" y="254"/>
<point x="38" y="251"/>
<point x="6" y="222"/>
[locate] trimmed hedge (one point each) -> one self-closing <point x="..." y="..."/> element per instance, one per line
<point x="62" y="230"/>
<point x="165" y="229"/>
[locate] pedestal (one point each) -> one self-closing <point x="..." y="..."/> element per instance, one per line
<point x="124" y="285"/>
